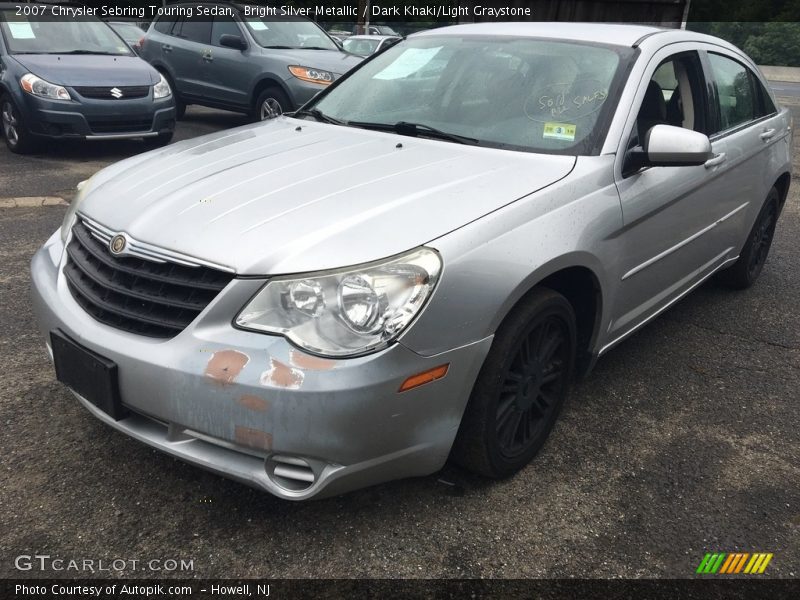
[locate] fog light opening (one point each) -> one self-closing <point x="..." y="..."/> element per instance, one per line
<point x="290" y="473"/>
<point x="424" y="377"/>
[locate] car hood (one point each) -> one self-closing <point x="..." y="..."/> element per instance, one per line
<point x="89" y="69"/>
<point x="328" y="60"/>
<point x="287" y="195"/>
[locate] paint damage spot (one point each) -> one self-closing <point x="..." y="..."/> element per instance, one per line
<point x="256" y="403"/>
<point x="252" y="438"/>
<point x="224" y="366"/>
<point x="311" y="363"/>
<point x="282" y="375"/>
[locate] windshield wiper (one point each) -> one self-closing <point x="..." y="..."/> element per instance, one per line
<point x="415" y="130"/>
<point x="281" y="47"/>
<point x="101" y="52"/>
<point x="318" y="115"/>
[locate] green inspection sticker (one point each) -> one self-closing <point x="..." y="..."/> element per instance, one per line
<point x="559" y="131"/>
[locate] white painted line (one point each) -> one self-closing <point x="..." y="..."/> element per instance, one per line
<point x="32" y="202"/>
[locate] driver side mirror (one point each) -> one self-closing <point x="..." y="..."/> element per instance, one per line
<point x="232" y="41"/>
<point x="670" y="146"/>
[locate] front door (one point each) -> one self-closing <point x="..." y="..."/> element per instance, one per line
<point x="670" y="240"/>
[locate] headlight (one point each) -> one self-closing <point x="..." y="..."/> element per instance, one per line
<point x="349" y="311"/>
<point x="39" y="87"/>
<point x="312" y="75"/>
<point x="161" y="89"/>
<point x="69" y="219"/>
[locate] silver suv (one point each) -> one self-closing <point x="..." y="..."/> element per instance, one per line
<point x="261" y="66"/>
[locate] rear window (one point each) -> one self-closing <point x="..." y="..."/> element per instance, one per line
<point x="164" y="24"/>
<point x="194" y="30"/>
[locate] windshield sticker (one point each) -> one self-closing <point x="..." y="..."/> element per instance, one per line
<point x="257" y="25"/>
<point x="575" y="100"/>
<point x="559" y="131"/>
<point x="21" y="31"/>
<point x="410" y="61"/>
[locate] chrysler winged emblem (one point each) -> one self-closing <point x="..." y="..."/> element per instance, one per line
<point x="117" y="244"/>
<point x="116" y="92"/>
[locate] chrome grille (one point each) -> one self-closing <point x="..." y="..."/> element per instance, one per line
<point x="155" y="299"/>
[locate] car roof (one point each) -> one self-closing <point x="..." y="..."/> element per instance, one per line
<point x="603" y="33"/>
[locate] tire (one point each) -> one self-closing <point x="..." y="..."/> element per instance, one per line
<point x="180" y="109"/>
<point x="17" y="136"/>
<point x="746" y="270"/>
<point x="180" y="105"/>
<point x="270" y="103"/>
<point x="157" y="142"/>
<point x="521" y="387"/>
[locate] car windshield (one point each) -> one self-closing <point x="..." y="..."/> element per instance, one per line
<point x="289" y="33"/>
<point x="50" y="35"/>
<point x="360" y="46"/>
<point x="518" y="93"/>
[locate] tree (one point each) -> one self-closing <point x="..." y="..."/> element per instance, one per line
<point x="776" y="44"/>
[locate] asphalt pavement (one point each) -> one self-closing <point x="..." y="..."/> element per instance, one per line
<point x="684" y="440"/>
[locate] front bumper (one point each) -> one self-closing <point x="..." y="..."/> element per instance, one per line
<point x="254" y="408"/>
<point x="98" y="119"/>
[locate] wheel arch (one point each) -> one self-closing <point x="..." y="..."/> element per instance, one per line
<point x="782" y="185"/>
<point x="267" y="81"/>
<point x="581" y="285"/>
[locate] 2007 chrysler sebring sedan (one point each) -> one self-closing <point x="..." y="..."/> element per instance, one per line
<point x="416" y="263"/>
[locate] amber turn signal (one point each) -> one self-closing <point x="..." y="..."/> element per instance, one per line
<point x="424" y="377"/>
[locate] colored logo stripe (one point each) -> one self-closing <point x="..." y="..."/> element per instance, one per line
<point x="734" y="562"/>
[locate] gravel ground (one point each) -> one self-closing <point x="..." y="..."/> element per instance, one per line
<point x="683" y="440"/>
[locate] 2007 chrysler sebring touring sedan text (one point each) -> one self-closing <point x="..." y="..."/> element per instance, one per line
<point x="414" y="265"/>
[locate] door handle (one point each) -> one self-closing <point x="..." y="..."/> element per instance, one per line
<point x="767" y="135"/>
<point x="716" y="161"/>
<point x="166" y="47"/>
<point x="206" y="54"/>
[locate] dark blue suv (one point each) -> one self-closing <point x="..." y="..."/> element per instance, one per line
<point x="62" y="78"/>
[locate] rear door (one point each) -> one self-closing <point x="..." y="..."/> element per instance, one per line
<point x="751" y="132"/>
<point x="190" y="45"/>
<point x="670" y="214"/>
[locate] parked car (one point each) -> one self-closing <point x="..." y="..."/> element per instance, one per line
<point x="338" y="34"/>
<point x="76" y="79"/>
<point x="377" y="30"/>
<point x="412" y="268"/>
<point x="366" y="45"/>
<point x="130" y="32"/>
<point x="259" y="66"/>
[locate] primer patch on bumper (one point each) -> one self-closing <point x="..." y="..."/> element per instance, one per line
<point x="281" y="375"/>
<point x="224" y="366"/>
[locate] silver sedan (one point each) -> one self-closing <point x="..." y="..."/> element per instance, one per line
<point x="416" y="264"/>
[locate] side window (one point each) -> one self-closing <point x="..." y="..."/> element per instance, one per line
<point x="222" y="26"/>
<point x="674" y="96"/>
<point x="736" y="97"/>
<point x="195" y="30"/>
<point x="765" y="106"/>
<point x="164" y="25"/>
